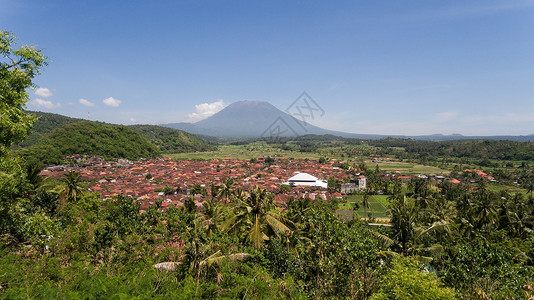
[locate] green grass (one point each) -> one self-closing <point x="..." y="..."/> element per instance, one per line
<point x="377" y="206"/>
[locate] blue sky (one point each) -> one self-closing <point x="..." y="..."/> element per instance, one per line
<point x="384" y="67"/>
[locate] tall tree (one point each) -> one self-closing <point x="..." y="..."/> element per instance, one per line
<point x="365" y="203"/>
<point x="402" y="211"/>
<point x="226" y="191"/>
<point x="17" y="69"/>
<point x="72" y="188"/>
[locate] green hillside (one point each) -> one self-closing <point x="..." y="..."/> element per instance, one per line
<point x="90" y="138"/>
<point x="170" y="140"/>
<point x="45" y="123"/>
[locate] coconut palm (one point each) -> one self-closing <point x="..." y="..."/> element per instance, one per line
<point x="365" y="203"/>
<point x="211" y="216"/>
<point x="72" y="188"/>
<point x="226" y="190"/>
<point x="485" y="209"/>
<point x="255" y="213"/>
<point x="402" y="212"/>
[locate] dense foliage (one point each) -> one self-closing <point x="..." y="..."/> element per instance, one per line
<point x="90" y="138"/>
<point x="170" y="140"/>
<point x="457" y="243"/>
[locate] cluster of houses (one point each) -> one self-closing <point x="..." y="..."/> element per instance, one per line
<point x="173" y="180"/>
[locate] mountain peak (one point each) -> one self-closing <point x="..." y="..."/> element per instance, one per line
<point x="247" y="105"/>
<point x="254" y="118"/>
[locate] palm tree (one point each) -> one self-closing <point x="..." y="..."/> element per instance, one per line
<point x="226" y="191"/>
<point x="365" y="203"/>
<point x="402" y="211"/>
<point x="485" y="209"/>
<point x="72" y="189"/>
<point x="33" y="177"/>
<point x="211" y="216"/>
<point x="256" y="214"/>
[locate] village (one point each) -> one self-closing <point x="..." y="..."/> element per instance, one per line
<point x="174" y="181"/>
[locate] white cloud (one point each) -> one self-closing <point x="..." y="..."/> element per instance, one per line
<point x="87" y="103"/>
<point x="133" y="120"/>
<point x="206" y="110"/>
<point x="43" y="92"/>
<point x="45" y="103"/>
<point x="112" y="102"/>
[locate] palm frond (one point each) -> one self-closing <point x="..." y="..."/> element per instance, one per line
<point x="433" y="250"/>
<point x="228" y="224"/>
<point x="384" y="239"/>
<point x="255" y="234"/>
<point x="276" y="225"/>
<point x="388" y="254"/>
<point x="218" y="258"/>
<point x="436" y="226"/>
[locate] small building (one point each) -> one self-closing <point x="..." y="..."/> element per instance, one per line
<point x="354" y="185"/>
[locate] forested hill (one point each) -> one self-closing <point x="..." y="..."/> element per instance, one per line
<point x="90" y="138"/>
<point x="45" y="123"/>
<point x="166" y="140"/>
<point x="170" y="140"/>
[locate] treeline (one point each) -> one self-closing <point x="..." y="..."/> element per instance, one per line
<point x="106" y="140"/>
<point x="477" y="149"/>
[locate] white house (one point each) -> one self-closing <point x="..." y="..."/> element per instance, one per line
<point x="306" y="179"/>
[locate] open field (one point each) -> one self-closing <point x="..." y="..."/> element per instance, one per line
<point x="377" y="206"/>
<point x="255" y="150"/>
<point x="249" y="151"/>
<point x="407" y="168"/>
